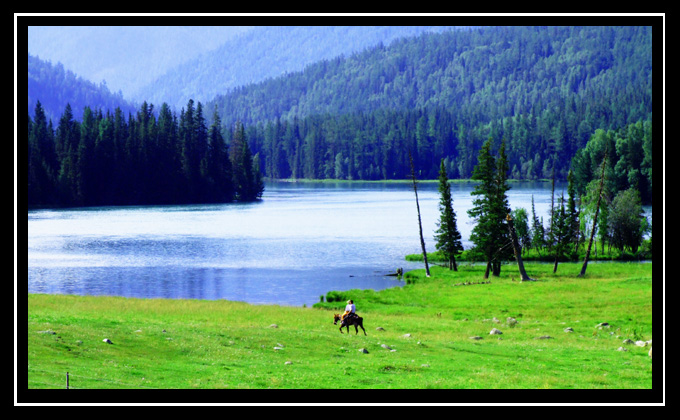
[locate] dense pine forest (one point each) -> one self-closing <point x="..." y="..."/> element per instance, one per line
<point x="108" y="159"/>
<point x="545" y="90"/>
<point x="558" y="97"/>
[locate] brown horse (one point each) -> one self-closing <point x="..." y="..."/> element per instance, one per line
<point x="355" y="320"/>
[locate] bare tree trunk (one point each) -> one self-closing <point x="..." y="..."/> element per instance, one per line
<point x="552" y="208"/>
<point x="453" y="265"/>
<point x="597" y="211"/>
<point x="420" y="224"/>
<point x="518" y="251"/>
<point x="578" y="231"/>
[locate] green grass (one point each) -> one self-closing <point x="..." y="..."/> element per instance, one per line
<point x="221" y="344"/>
<point x="643" y="253"/>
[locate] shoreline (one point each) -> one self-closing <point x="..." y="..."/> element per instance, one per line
<point x="416" y="335"/>
<point x="390" y="181"/>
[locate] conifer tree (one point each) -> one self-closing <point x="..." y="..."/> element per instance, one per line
<point x="189" y="156"/>
<point x="42" y="163"/>
<point x="85" y="168"/>
<point x="572" y="212"/>
<point x="502" y="209"/>
<point x="447" y="235"/>
<point x="217" y="162"/>
<point x="560" y="232"/>
<point x="490" y="234"/>
<point x="248" y="185"/>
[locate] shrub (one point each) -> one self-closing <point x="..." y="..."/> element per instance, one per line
<point x="335" y="296"/>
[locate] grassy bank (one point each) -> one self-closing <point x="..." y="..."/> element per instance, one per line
<point x="427" y="325"/>
<point x="609" y="254"/>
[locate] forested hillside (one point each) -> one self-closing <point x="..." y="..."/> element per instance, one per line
<point x="264" y="53"/>
<point x="559" y="96"/>
<point x="544" y="89"/>
<point x="54" y="86"/>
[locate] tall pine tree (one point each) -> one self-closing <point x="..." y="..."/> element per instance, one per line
<point x="217" y="163"/>
<point x="447" y="235"/>
<point x="247" y="181"/>
<point x="490" y="208"/>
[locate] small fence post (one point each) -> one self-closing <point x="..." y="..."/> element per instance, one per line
<point x="66" y="380"/>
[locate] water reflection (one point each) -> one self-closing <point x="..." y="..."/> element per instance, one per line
<point x="301" y="241"/>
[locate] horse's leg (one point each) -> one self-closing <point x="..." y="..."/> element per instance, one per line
<point x="361" y="324"/>
<point x="340" y="329"/>
<point x="356" y="329"/>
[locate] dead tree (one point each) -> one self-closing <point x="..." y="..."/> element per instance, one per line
<point x="420" y="225"/>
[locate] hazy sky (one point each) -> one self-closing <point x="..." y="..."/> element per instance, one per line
<point x="127" y="57"/>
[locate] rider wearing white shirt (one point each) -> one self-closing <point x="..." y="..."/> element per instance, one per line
<point x="349" y="309"/>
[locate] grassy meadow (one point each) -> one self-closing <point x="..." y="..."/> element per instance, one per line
<point x="419" y="336"/>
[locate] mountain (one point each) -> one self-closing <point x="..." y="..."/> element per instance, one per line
<point x="173" y="64"/>
<point x="54" y="86"/>
<point x="545" y="90"/>
<point x="266" y="52"/>
<point x="126" y="57"/>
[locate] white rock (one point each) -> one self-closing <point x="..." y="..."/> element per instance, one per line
<point x="495" y="331"/>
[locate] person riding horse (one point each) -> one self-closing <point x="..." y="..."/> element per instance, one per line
<point x="350" y="319"/>
<point x="350" y="310"/>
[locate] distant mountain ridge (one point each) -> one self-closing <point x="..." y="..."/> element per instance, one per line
<point x="126" y="57"/>
<point x="54" y="86"/>
<point x="227" y="58"/>
<point x="267" y="52"/>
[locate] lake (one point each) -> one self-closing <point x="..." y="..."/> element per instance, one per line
<point x="299" y="242"/>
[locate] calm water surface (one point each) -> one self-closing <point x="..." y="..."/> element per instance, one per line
<point x="301" y="241"/>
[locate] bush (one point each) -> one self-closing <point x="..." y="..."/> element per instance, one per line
<point x="335" y="296"/>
